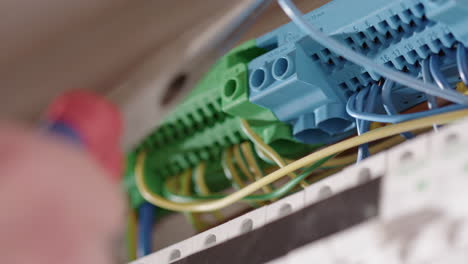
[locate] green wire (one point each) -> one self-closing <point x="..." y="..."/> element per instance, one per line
<point x="280" y="192"/>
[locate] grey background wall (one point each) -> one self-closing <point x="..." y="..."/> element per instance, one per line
<point x="115" y="47"/>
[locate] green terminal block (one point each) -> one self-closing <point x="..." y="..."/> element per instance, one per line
<point x="206" y="123"/>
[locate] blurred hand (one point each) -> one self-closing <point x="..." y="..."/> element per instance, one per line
<point x="57" y="205"/>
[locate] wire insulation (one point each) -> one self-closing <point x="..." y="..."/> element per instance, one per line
<point x="388" y="103"/>
<point x="310" y="159"/>
<point x="146" y="217"/>
<point x="360" y="124"/>
<point x="200" y="182"/>
<point x="335" y="163"/>
<point x="199" y="177"/>
<point x="185" y="188"/>
<point x="241" y="162"/>
<point x="439" y="78"/>
<point x="271" y="153"/>
<point x="276" y="194"/>
<point x="349" y="159"/>
<point x="462" y="63"/>
<point x="249" y="156"/>
<point x="370" y="107"/>
<point x="230" y="170"/>
<point x="427" y="78"/>
<point x="397" y="118"/>
<point x="132" y="229"/>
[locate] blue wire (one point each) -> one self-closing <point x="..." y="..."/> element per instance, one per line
<point x="350" y="108"/>
<point x="363" y="150"/>
<point x="405" y="80"/>
<point x="372" y="99"/>
<point x="370" y="107"/>
<point x="360" y="98"/>
<point x="439" y="78"/>
<point x="388" y="103"/>
<point x="426" y="75"/>
<point x="146" y="218"/>
<point x="462" y="63"/>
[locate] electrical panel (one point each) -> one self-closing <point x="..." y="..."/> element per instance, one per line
<point x="274" y="102"/>
<point x="361" y="207"/>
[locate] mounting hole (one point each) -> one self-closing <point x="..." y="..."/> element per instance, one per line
<point x="210" y="240"/>
<point x="174" y="88"/>
<point x="230" y="88"/>
<point x="370" y="211"/>
<point x="246" y="226"/>
<point x="311" y="135"/>
<point x="175" y="254"/>
<point x="364" y="175"/>
<point x="406" y="156"/>
<point x="451" y="139"/>
<point x="285" y="209"/>
<point x="334" y="125"/>
<point x="325" y="192"/>
<point x="280" y="68"/>
<point x="257" y="79"/>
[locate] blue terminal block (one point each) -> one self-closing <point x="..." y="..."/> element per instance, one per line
<point x="307" y="85"/>
<point x="452" y="13"/>
<point x="295" y="88"/>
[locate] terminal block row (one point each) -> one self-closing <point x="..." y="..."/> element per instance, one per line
<point x="293" y="91"/>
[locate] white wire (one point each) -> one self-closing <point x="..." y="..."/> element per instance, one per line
<point x="406" y="80"/>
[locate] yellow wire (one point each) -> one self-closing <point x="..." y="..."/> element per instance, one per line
<point x="229" y="168"/>
<point x="249" y="156"/>
<point x="200" y="178"/>
<point x="132" y="235"/>
<point x="253" y="167"/>
<point x="194" y="218"/>
<point x="325" y="152"/>
<point x="171" y="184"/>
<point x="351" y="158"/>
<point x="267" y="149"/>
<point x="461" y="88"/>
<point x="324" y="174"/>
<point x="186" y="180"/>
<point x="204" y="190"/>
<point x="241" y="163"/>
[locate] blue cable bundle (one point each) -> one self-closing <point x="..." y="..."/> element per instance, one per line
<point x="382" y="118"/>
<point x="431" y="71"/>
<point x="363" y="150"/>
<point x="311" y="66"/>
<point x="146" y="219"/>
<point x="388" y="104"/>
<point x="462" y="63"/>
<point x="364" y="125"/>
<point x="383" y="70"/>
